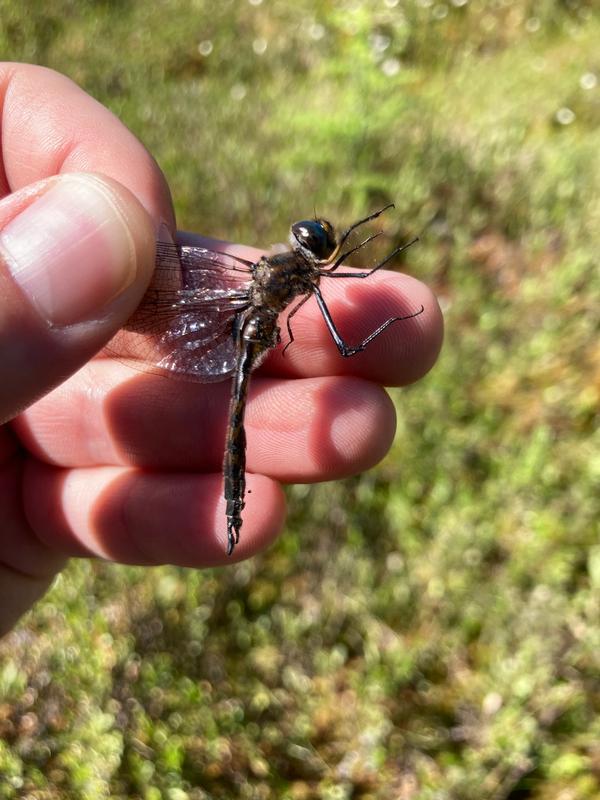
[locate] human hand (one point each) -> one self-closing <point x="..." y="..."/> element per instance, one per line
<point x="127" y="466"/>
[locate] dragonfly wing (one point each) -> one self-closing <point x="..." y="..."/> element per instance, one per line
<point x="184" y="324"/>
<point x="191" y="267"/>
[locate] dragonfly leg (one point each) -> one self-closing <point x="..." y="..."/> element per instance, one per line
<point x="327" y="273"/>
<point x="360" y="222"/>
<point x="344" y="256"/>
<point x="296" y="308"/>
<point x="345" y="349"/>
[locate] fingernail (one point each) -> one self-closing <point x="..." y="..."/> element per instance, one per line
<point x="71" y="251"/>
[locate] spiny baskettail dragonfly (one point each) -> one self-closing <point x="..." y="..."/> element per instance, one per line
<point x="208" y="316"/>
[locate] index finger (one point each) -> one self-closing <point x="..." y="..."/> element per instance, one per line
<point x="50" y="126"/>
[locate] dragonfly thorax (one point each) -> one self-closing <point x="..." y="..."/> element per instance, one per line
<point x="280" y="278"/>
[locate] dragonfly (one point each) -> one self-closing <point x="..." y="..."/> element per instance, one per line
<point x="209" y="316"/>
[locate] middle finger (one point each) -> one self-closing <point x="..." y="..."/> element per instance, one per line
<point x="298" y="430"/>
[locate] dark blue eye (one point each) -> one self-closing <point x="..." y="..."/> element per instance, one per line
<point x="317" y="236"/>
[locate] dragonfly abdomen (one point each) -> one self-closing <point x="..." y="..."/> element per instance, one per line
<point x="257" y="332"/>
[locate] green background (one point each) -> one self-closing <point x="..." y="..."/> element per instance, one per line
<point x="429" y="629"/>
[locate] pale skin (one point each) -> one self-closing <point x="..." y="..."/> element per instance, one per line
<point x="126" y="466"/>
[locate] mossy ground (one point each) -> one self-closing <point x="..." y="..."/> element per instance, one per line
<point x="429" y="629"/>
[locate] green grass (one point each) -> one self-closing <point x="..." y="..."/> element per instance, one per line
<point x="427" y="630"/>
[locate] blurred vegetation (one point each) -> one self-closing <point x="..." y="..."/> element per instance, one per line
<point x="429" y="629"/>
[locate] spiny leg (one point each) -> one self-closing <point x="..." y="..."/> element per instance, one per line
<point x="328" y="274"/>
<point x="360" y="222"/>
<point x="296" y="308"/>
<point x="344" y="256"/>
<point x="344" y="349"/>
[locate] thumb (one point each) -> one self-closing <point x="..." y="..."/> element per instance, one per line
<point x="76" y="254"/>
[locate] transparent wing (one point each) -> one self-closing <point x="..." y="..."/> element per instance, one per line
<point x="185" y="321"/>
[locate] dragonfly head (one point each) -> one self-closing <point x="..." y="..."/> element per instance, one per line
<point x="315" y="237"/>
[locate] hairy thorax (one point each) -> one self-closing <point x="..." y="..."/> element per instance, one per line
<point x="280" y="278"/>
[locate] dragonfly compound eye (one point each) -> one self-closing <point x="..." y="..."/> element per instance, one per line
<point x="316" y="236"/>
